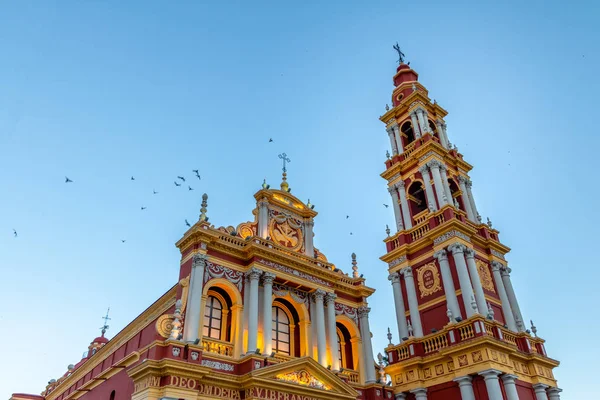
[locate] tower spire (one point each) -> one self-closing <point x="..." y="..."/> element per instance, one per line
<point x="105" y="327"/>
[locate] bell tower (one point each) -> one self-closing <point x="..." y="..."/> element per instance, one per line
<point x="461" y="333"/>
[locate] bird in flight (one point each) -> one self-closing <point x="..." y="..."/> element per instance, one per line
<point x="270" y="140"/>
<point x="143" y="208"/>
<point x="197" y="173"/>
<point x="190" y="188"/>
<point x="347" y="216"/>
<point x="15" y="233"/>
<point x="177" y="184"/>
<point x="67" y="180"/>
<point x="181" y="177"/>
<point x="385" y="205"/>
<point x="123" y="240"/>
<point x="132" y="178"/>
<point x="187" y="223"/>
<point x="351" y="233"/>
<point x="154" y="191"/>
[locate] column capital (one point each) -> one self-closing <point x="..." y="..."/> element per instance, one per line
<point x="457" y="248"/>
<point x="424" y="169"/>
<point x="496" y="266"/>
<point x="434" y="164"/>
<point x="253" y="274"/>
<point x="469" y="252"/>
<point x="400" y="396"/>
<point x="419" y="391"/>
<point x="268" y="278"/>
<point x="554" y="391"/>
<point x="509" y="378"/>
<point x="469" y="184"/>
<point x="199" y="260"/>
<point x="391" y="189"/>
<point x="363" y="311"/>
<point x="463" y="179"/>
<point x="319" y="294"/>
<point x="490" y="374"/>
<point x="540" y="387"/>
<point x="407" y="272"/>
<point x="505" y="271"/>
<point x="330" y="298"/>
<point x="441" y="255"/>
<point x="399" y="184"/>
<point x="394" y="278"/>
<point x="464" y="380"/>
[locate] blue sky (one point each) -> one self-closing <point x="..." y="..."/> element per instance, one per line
<point x="101" y="91"/>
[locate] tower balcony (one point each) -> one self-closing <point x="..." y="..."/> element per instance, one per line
<point x="429" y="224"/>
<point x="470" y="345"/>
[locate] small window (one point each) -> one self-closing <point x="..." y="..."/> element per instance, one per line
<point x="112" y="395"/>
<point x="213" y="313"/>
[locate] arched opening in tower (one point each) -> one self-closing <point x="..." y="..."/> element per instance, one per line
<point x="416" y="198"/>
<point x="456" y="194"/>
<point x="433" y="129"/>
<point x="408" y="135"/>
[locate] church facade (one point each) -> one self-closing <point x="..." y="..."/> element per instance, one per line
<point x="259" y="313"/>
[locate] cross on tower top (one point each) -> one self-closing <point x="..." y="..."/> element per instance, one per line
<point x="106" y="319"/>
<point x="400" y="53"/>
<point x="284" y="185"/>
<point x="285" y="159"/>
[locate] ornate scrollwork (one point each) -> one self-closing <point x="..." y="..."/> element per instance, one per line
<point x="164" y="325"/>
<point x="428" y="278"/>
<point x="286" y="230"/>
<point x="485" y="276"/>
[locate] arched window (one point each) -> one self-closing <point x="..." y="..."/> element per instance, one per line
<point x="340" y="349"/>
<point x="416" y="197"/>
<point x="344" y="347"/>
<point x="281" y="331"/>
<point x="408" y="135"/>
<point x="433" y="129"/>
<point x="456" y="194"/>
<point x="213" y="315"/>
<point x="112" y="395"/>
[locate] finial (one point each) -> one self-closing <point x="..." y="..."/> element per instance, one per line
<point x="489" y="223"/>
<point x="450" y="315"/>
<point x="533" y="328"/>
<point x="389" y="335"/>
<point x="490" y="314"/>
<point x="265" y="185"/>
<point x="284" y="185"/>
<point x="474" y="305"/>
<point x="387" y="230"/>
<point x="311" y="206"/>
<point x="479" y="219"/>
<point x="400" y="53"/>
<point x="456" y="205"/>
<point x="203" y="210"/>
<point x="354" y="266"/>
<point x="409" y="327"/>
<point x="106" y="319"/>
<point x="176" y="324"/>
<point x="414" y="87"/>
<point x="387" y="154"/>
<point x="431" y="209"/>
<point x="387" y="107"/>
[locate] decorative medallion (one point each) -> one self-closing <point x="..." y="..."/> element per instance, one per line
<point x="427" y="373"/>
<point x="428" y="278"/>
<point x="439" y="369"/>
<point x="462" y="360"/>
<point x="450" y="366"/>
<point x="410" y="375"/>
<point x="476" y="356"/>
<point x="525" y="369"/>
<point x="164" y="325"/>
<point x="494" y="354"/>
<point x="485" y="276"/>
<point x="503" y="358"/>
<point x="304" y="378"/>
<point x="286" y="231"/>
<point x="246" y="230"/>
<point x="398" y="379"/>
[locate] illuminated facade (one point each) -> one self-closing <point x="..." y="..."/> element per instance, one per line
<point x="259" y="313"/>
<point x="462" y="334"/>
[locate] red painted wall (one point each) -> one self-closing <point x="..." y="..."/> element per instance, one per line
<point x="434" y="318"/>
<point x="445" y="391"/>
<point x="525" y="391"/>
<point x="120" y="383"/>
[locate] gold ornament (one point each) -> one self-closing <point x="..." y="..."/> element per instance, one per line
<point x="164" y="324"/>
<point x="485" y="276"/>
<point x="428" y="278"/>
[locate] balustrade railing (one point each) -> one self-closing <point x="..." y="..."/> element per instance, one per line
<point x="217" y="347"/>
<point x="466" y="332"/>
<point x="435" y="343"/>
<point x="351" y="375"/>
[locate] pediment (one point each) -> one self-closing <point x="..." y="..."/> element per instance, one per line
<point x="302" y="375"/>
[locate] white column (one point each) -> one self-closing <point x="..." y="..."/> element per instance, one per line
<point x="420" y="393"/>
<point x="399" y="303"/>
<point x="461" y="182"/>
<point x="413" y="304"/>
<point x="492" y="383"/>
<point x="365" y="333"/>
<point x="400" y="396"/>
<point x="396" y="130"/>
<point x="446" y="135"/>
<point x="512" y="298"/>
<point x="509" y="387"/>
<point x="246" y="311"/>
<point x="396" y="205"/>
<point x="428" y="189"/>
<point x="465" y="384"/>
<point x="441" y="133"/>
<point x="506" y="309"/>
<point x="318" y="296"/>
<point x="434" y="166"/>
<point x="422" y="120"/>
<point x="390" y="132"/>
<point x="469" y="184"/>
<point x="449" y="289"/>
<point x="457" y="250"/>
<point x="540" y="391"/>
<point x="332" y="331"/>
<point x="194" y="300"/>
<point x="308" y="238"/>
<point x="476" y="281"/>
<point x="253" y="275"/>
<point x="268" y="279"/>
<point x="263" y="218"/>
<point x="554" y="393"/>
<point x="446" y="185"/>
<point x="415" y="124"/>
<point x="404" y="204"/>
